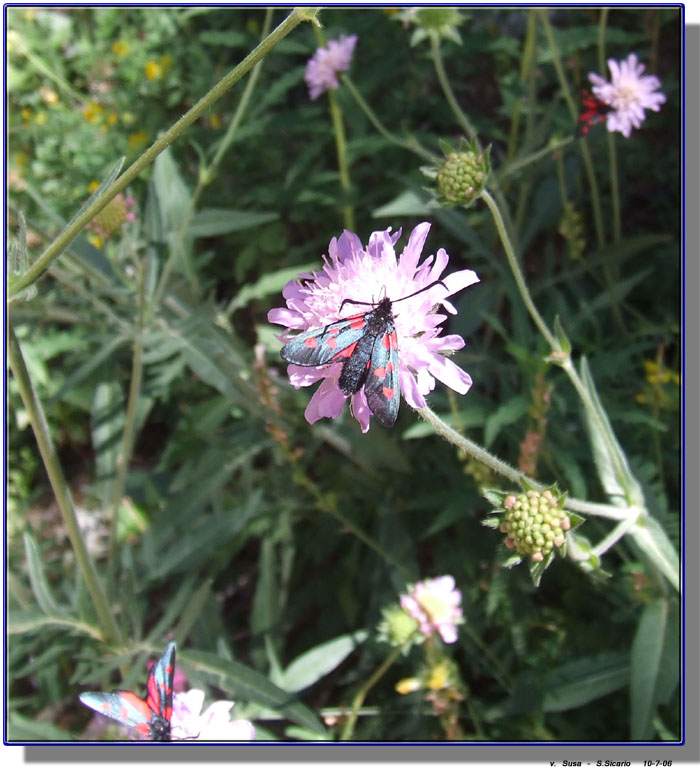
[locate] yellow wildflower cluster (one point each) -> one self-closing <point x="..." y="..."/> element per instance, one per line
<point x="155" y="70"/>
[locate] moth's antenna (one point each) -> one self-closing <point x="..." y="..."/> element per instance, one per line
<point x="413" y="294"/>
<point x="424" y="289"/>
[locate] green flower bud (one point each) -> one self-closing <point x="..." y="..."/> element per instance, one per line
<point x="534" y="523"/>
<point x="461" y="178"/>
<point x="398" y="627"/>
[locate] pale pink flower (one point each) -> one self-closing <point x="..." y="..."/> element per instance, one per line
<point x="214" y="724"/>
<point x="368" y="274"/>
<point x="436" y="606"/>
<point x="323" y="67"/>
<point x="629" y="94"/>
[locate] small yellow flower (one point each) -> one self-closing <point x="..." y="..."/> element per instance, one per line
<point x="407" y="685"/>
<point x="215" y="120"/>
<point x="153" y="70"/>
<point x="95" y="240"/>
<point x="128" y="118"/>
<point x="112" y="118"/>
<point x="41" y="118"/>
<point x="138" y="139"/>
<point x="93" y="186"/>
<point x="27" y="114"/>
<point x="92" y="112"/>
<point x="439" y="677"/>
<point x="49" y="96"/>
<point x="121" y="48"/>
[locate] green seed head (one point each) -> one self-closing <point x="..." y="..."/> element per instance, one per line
<point x="533" y="523"/>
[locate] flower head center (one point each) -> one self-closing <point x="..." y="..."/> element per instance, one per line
<point x="435" y="607"/>
<point x="626" y="95"/>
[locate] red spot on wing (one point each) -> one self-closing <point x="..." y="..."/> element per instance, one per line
<point x="138" y="704"/>
<point x="346" y="353"/>
<point x="312" y="342"/>
<point x="380" y="372"/>
<point x="332" y="343"/>
<point x="358" y="323"/>
<point x="390" y="366"/>
<point x="390" y="341"/>
<point x="388" y="392"/>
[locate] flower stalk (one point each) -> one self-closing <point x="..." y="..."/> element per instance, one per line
<point x="40" y="427"/>
<point x="509" y="472"/>
<point x="361" y="695"/>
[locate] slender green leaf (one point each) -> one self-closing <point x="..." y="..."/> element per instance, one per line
<point x="268" y="284"/>
<point x="645" y="659"/>
<point x="611" y="462"/>
<point x="37" y="578"/>
<point x="26" y="729"/>
<point x="509" y="412"/>
<point x="216" y="222"/>
<point x="246" y="684"/>
<point x="649" y="536"/>
<point x="171" y="191"/>
<point x="107" y="423"/>
<point x="79" y="375"/>
<point x="584" y="680"/>
<point x="670" y="666"/>
<point x="317" y="662"/>
<point x="406" y="204"/>
<point x="23" y="622"/>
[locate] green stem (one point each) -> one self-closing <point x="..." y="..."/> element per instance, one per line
<point x="612" y="152"/>
<point x="408" y="144"/>
<point x="558" y="66"/>
<point x="526" y="75"/>
<point x="592" y="182"/>
<point x="602" y="24"/>
<point x="340" y="147"/>
<point x="127" y="442"/>
<point x="69" y="233"/>
<point x="447" y="89"/>
<point x="230" y="134"/>
<point x="60" y="488"/>
<point x="517" y="273"/>
<point x="550" y="149"/>
<point x="614" y="187"/>
<point x="616" y="533"/>
<point x="341" y="154"/>
<point x="500" y="467"/>
<point x="361" y="695"/>
<point x="562" y="357"/>
<point x="44" y="68"/>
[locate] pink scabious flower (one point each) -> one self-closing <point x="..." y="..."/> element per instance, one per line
<point x="214" y="724"/>
<point x="436" y="606"/>
<point x="629" y="94"/>
<point x="323" y="67"/>
<point x="367" y="274"/>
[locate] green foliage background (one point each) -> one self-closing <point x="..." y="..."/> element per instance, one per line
<point x="233" y="527"/>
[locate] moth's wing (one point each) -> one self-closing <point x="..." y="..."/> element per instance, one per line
<point x="160" y="683"/>
<point x="124" y="706"/>
<point x="322" y="345"/>
<point x="382" y="389"/>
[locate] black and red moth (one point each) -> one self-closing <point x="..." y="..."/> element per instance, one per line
<point x="594" y="111"/>
<point x="367" y="345"/>
<point x="150" y="716"/>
